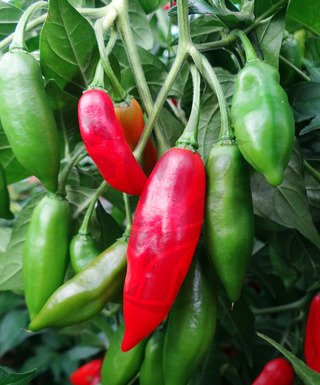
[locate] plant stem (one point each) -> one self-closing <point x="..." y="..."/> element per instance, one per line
<point x="18" y="37"/>
<point x="248" y="49"/>
<point x="94" y="13"/>
<point x="128" y="215"/>
<point x="98" y="80"/>
<point x="189" y="138"/>
<point x="296" y="69"/>
<point x="179" y="113"/>
<point x="290" y="306"/>
<point x="86" y="220"/>
<point x="312" y="170"/>
<point x="123" y="24"/>
<point x="162" y="96"/>
<point x="231" y="38"/>
<point x="208" y="73"/>
<point x="183" y="22"/>
<point x="119" y="94"/>
<point x="77" y="156"/>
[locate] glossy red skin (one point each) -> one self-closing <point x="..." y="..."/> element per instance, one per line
<point x="276" y="372"/>
<point x="312" y="338"/>
<point x="87" y="374"/>
<point x="105" y="142"/>
<point x="165" y="232"/>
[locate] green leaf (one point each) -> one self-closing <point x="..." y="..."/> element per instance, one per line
<point x="307" y="375"/>
<point x="5" y="234"/>
<point x="286" y="204"/>
<point x="59" y="99"/>
<point x="305" y="100"/>
<point x="8" y="301"/>
<point x="9" y="17"/>
<point x="13" y="330"/>
<point x="313" y="125"/>
<point x="270" y="34"/>
<point x="7" y="377"/>
<point x="11" y="259"/>
<point x="140" y="26"/>
<point x="68" y="48"/>
<point x="14" y="171"/>
<point x="304" y="13"/>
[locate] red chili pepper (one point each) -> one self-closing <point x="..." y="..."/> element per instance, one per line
<point x="167" y="6"/>
<point x="105" y="142"/>
<point x="276" y="372"/>
<point x="131" y="119"/>
<point x="312" y="338"/>
<point x="87" y="374"/>
<point x="165" y="232"/>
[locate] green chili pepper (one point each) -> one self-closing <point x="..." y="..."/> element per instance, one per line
<point x="229" y="215"/>
<point x="120" y="368"/>
<point x="191" y="325"/>
<point x="86" y="294"/>
<point x="83" y="250"/>
<point x="25" y="113"/>
<point x="4" y="196"/>
<point x="151" y="371"/>
<point x="292" y="52"/>
<point x="262" y="117"/>
<point x="45" y="251"/>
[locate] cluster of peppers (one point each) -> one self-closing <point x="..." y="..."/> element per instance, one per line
<point x="176" y="194"/>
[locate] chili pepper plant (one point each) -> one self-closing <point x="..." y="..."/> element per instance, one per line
<point x="159" y="192"/>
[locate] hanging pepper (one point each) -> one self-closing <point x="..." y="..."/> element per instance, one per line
<point x="45" y="251"/>
<point x="130" y="116"/>
<point x="276" y="372"/>
<point x="87" y="374"/>
<point x="104" y="139"/>
<point x="151" y="371"/>
<point x="4" y="196"/>
<point x="312" y="338"/>
<point x="86" y="294"/>
<point x="165" y="232"/>
<point x="262" y="117"/>
<point x="25" y="113"/>
<point x="229" y="223"/>
<point x="120" y="368"/>
<point x="192" y="324"/>
<point x="291" y="51"/>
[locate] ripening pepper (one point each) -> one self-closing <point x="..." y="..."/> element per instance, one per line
<point x="130" y="116"/>
<point x="87" y="374"/>
<point x="312" y="337"/>
<point x="45" y="251"/>
<point x="262" y="118"/>
<point x="229" y="225"/>
<point x="276" y="372"/>
<point x="86" y="294"/>
<point x="192" y="323"/>
<point x="105" y="142"/>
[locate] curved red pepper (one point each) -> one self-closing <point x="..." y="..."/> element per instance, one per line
<point x="165" y="232"/>
<point x="312" y="338"/>
<point x="276" y="372"/>
<point x="87" y="374"/>
<point x="105" y="142"/>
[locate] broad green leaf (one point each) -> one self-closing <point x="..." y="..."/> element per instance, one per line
<point x="286" y="204"/>
<point x="313" y="125"/>
<point x="68" y="48"/>
<point x="307" y="375"/>
<point x="304" y="13"/>
<point x="5" y="234"/>
<point x="8" y="377"/>
<point x="59" y="99"/>
<point x="9" y="301"/>
<point x="9" y="17"/>
<point x="140" y="25"/>
<point x="270" y="34"/>
<point x="11" y="259"/>
<point x="14" y="171"/>
<point x="305" y="100"/>
<point x="13" y="330"/>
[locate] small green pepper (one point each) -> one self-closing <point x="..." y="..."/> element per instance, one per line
<point x="120" y="368"/>
<point x="262" y="117"/>
<point x="83" y="250"/>
<point x="191" y="325"/>
<point x="86" y="294"/>
<point x="45" y="251"/>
